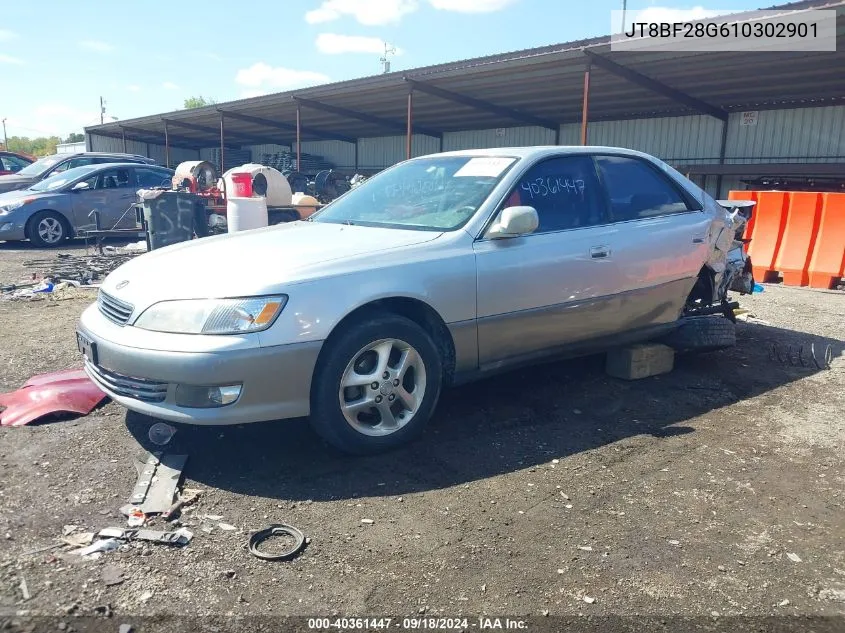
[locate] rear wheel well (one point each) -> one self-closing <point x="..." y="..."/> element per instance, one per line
<point x="703" y="290"/>
<point x="417" y="311"/>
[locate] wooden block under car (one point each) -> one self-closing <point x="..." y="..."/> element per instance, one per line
<point x="640" y="361"/>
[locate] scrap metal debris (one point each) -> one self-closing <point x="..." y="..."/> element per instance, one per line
<point x="181" y="536"/>
<point x="158" y="481"/>
<point x="68" y="391"/>
<point x="84" y="269"/>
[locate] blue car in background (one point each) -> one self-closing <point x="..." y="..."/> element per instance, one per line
<point x="49" y="212"/>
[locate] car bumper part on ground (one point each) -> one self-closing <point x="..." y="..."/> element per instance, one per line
<point x="276" y="381"/>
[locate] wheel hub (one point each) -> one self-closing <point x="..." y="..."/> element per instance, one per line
<point x="386" y="388"/>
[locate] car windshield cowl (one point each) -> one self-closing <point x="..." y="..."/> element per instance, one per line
<point x="436" y="193"/>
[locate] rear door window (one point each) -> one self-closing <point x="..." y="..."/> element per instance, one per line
<point x="565" y="192"/>
<point x="637" y="190"/>
<point x="148" y="178"/>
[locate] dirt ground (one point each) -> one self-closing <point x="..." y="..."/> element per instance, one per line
<point x="715" y="490"/>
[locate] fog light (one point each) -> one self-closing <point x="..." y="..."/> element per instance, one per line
<point x="201" y="397"/>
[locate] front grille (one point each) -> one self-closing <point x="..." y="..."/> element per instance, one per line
<point x="138" y="388"/>
<point x="114" y="309"/>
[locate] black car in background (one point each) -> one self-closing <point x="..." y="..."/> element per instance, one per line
<point x="57" y="163"/>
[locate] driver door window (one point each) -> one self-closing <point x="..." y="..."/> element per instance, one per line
<point x="564" y="191"/>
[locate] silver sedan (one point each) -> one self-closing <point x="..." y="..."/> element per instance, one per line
<point x="438" y="270"/>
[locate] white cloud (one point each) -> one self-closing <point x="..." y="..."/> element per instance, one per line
<point x="133" y="88"/>
<point x="6" y="36"/>
<point x="368" y="12"/>
<point x="668" y="14"/>
<point x="471" y="6"/>
<point x="8" y="59"/>
<point x="169" y="85"/>
<point x="53" y="119"/>
<point x="263" y="77"/>
<point x="97" y="46"/>
<point x="333" y="44"/>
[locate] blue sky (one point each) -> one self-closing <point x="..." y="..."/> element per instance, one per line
<point x="58" y="57"/>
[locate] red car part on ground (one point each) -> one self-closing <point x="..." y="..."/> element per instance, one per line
<point x="68" y="391"/>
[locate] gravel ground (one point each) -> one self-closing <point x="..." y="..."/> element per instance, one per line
<point x="714" y="490"/>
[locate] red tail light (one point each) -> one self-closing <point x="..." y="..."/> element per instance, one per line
<point x="243" y="185"/>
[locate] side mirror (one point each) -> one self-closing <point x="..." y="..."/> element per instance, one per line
<point x="80" y="186"/>
<point x="513" y="222"/>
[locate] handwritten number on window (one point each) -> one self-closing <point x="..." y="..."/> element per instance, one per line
<point x="552" y="186"/>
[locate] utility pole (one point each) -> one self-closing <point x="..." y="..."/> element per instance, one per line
<point x="624" y="7"/>
<point x="385" y="61"/>
<point x="5" y="138"/>
<point x="102" y="110"/>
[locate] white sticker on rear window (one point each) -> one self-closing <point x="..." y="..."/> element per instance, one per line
<point x="488" y="166"/>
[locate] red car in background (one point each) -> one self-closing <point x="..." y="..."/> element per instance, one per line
<point x="12" y="162"/>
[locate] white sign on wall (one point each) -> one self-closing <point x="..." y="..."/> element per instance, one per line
<point x="749" y="118"/>
<point x="500" y="131"/>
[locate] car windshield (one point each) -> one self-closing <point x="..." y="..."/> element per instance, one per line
<point x="60" y="180"/>
<point x="440" y="193"/>
<point x="40" y="166"/>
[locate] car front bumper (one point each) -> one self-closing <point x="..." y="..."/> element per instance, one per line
<point x="12" y="227"/>
<point x="276" y="381"/>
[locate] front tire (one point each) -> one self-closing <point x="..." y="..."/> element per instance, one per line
<point x="376" y="384"/>
<point x="47" y="229"/>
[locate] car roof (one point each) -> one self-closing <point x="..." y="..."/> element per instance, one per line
<point x="113" y="165"/>
<point x="106" y="154"/>
<point x="547" y="150"/>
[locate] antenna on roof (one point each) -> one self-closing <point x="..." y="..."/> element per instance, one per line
<point x="385" y="60"/>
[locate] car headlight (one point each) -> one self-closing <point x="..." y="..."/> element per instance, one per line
<point x="212" y="316"/>
<point x="11" y="206"/>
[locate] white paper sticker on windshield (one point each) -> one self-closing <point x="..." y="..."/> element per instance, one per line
<point x="489" y="166"/>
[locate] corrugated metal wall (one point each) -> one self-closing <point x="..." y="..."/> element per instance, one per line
<point x="339" y="153"/>
<point x="384" y="151"/>
<point x="802" y="135"/>
<point x="677" y="140"/>
<point x="96" y="143"/>
<point x="501" y="137"/>
<point x="796" y="135"/>
<point x="269" y="148"/>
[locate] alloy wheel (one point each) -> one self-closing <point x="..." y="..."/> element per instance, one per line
<point x="382" y="387"/>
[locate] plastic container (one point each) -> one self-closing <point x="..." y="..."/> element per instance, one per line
<point x="304" y="204"/>
<point x="262" y="181"/>
<point x="161" y="433"/>
<point x="243" y="214"/>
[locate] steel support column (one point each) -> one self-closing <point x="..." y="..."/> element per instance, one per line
<point x="222" y="144"/>
<point x="123" y="136"/>
<point x="298" y="137"/>
<point x="409" y="135"/>
<point x="585" y="106"/>
<point x="166" y="147"/>
<point x="722" y="150"/>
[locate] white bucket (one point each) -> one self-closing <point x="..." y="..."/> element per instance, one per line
<point x="243" y="214"/>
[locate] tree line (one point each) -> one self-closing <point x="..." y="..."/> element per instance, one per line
<point x="42" y="145"/>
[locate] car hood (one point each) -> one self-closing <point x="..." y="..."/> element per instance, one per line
<point x="23" y="194"/>
<point x="12" y="182"/>
<point x="261" y="261"/>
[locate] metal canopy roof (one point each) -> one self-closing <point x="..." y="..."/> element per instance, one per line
<point x="540" y="86"/>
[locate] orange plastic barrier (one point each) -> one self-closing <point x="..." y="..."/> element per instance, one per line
<point x="746" y="195"/>
<point x="771" y="212"/>
<point x="827" y="264"/>
<point x="799" y="237"/>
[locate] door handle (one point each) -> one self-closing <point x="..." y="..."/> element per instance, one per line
<point x="599" y="252"/>
<point x="698" y="240"/>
